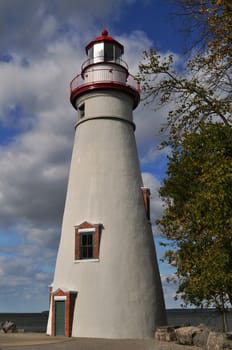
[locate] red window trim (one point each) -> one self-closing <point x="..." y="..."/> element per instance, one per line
<point x="146" y="199"/>
<point x="96" y="229"/>
<point x="70" y="298"/>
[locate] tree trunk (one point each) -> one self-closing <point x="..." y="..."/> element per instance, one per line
<point x="224" y="321"/>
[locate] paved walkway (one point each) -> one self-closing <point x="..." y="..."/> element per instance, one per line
<point x="38" y="341"/>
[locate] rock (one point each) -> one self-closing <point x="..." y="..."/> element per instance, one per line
<point x="218" y="341"/>
<point x="200" y="339"/>
<point x="165" y="333"/>
<point x="8" y="327"/>
<point x="185" y="335"/>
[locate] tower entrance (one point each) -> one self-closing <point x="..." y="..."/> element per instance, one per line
<point x="62" y="304"/>
<point x="60" y="317"/>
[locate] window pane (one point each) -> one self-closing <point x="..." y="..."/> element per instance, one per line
<point x="84" y="252"/>
<point x="90" y="252"/>
<point x="108" y="52"/>
<point x="98" y="52"/>
<point x="86" y="245"/>
<point x="90" y="239"/>
<point x="90" y="52"/>
<point x="118" y="52"/>
<point x="84" y="240"/>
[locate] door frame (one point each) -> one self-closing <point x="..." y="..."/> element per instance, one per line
<point x="70" y="298"/>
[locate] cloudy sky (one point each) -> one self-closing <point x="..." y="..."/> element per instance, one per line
<point x="41" y="50"/>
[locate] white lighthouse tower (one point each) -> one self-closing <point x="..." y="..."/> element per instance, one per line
<point x="106" y="282"/>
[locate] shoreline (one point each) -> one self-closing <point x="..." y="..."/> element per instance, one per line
<point x="34" y="322"/>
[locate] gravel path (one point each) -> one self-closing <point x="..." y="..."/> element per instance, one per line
<point x="29" y="341"/>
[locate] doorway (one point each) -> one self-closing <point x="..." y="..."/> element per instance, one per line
<point x="60" y="317"/>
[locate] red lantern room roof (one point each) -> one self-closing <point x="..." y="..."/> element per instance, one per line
<point x="104" y="69"/>
<point x="104" y="38"/>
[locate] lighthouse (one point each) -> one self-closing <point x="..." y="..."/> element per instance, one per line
<point x="106" y="281"/>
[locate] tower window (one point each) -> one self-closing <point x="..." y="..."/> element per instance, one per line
<point x="81" y="110"/>
<point x="86" y="245"/>
<point x="87" y="241"/>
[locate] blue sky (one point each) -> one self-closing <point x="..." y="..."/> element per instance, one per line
<point x="42" y="48"/>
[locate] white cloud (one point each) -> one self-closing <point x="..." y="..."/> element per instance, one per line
<point x="154" y="154"/>
<point x="47" y="48"/>
<point x="35" y="165"/>
<point x="28" y="26"/>
<point x="135" y="44"/>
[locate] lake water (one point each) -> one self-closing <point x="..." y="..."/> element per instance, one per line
<point x="37" y="322"/>
<point x="30" y="322"/>
<point x="194" y="317"/>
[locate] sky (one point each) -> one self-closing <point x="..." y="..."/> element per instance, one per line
<point x="41" y="51"/>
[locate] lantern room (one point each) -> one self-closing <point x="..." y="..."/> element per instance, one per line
<point x="104" y="68"/>
<point x="104" y="49"/>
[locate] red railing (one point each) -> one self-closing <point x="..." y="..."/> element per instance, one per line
<point x="105" y="75"/>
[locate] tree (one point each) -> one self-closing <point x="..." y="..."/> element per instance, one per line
<point x="198" y="188"/>
<point x="197" y="219"/>
<point x="202" y="90"/>
<point x="207" y="22"/>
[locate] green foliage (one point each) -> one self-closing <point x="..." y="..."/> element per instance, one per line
<point x="197" y="218"/>
<point x="210" y="23"/>
<point x="202" y="90"/>
<point x="201" y="93"/>
<point x="198" y="189"/>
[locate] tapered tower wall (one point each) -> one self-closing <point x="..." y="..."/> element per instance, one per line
<point x="118" y="292"/>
